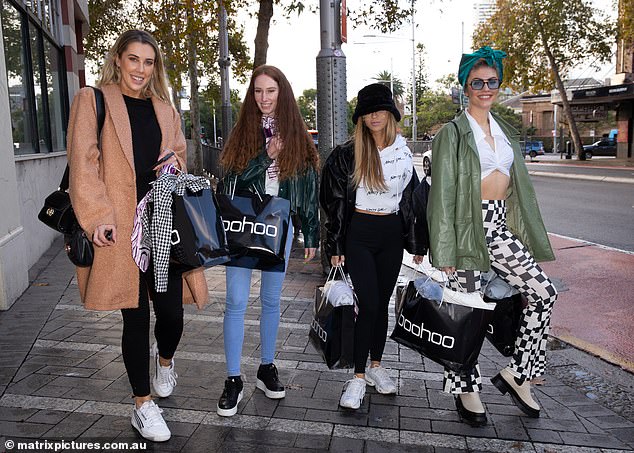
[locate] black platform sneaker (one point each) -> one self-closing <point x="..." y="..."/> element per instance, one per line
<point x="269" y="382"/>
<point x="231" y="396"/>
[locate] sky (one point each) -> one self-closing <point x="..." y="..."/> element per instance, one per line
<point x="294" y="45"/>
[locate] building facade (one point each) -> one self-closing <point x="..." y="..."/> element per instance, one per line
<point x="41" y="68"/>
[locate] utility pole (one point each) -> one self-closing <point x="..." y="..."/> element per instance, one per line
<point x="332" y="108"/>
<point x="224" y="62"/>
<point x="414" y="132"/>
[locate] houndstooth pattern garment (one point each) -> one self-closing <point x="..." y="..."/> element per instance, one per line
<point x="161" y="223"/>
<point x="511" y="261"/>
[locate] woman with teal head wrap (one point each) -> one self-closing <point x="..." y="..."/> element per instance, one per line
<point x="491" y="56"/>
<point x="482" y="216"/>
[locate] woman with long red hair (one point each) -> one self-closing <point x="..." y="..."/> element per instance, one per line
<point x="269" y="151"/>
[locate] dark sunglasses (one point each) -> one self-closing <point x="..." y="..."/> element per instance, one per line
<point x="478" y="84"/>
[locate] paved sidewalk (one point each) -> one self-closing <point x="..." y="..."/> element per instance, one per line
<point x="62" y="378"/>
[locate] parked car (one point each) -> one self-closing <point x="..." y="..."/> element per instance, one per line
<point x="532" y="148"/>
<point x="604" y="147"/>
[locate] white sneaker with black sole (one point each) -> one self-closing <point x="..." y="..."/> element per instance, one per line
<point x="164" y="379"/>
<point x="379" y="378"/>
<point x="353" y="393"/>
<point x="148" y="421"/>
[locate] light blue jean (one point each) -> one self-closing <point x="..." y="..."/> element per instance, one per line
<point x="238" y="287"/>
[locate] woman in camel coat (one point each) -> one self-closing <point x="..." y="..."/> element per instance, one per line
<point x="107" y="180"/>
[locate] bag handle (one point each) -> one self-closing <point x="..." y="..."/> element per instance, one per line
<point x="100" y="107"/>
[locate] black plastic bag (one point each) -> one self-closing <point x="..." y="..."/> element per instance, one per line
<point x="447" y="333"/>
<point x="256" y="227"/>
<point x="332" y="331"/>
<point x="504" y="326"/>
<point x="198" y="237"/>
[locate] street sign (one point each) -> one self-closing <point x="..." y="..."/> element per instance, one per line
<point x="589" y="112"/>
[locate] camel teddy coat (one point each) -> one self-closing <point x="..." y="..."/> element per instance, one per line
<point x="102" y="189"/>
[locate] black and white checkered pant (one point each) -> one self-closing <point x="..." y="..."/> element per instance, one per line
<point x="512" y="262"/>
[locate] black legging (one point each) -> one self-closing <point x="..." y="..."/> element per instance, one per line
<point x="374" y="252"/>
<point x="135" y="344"/>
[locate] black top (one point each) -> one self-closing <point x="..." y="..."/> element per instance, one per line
<point x="146" y="141"/>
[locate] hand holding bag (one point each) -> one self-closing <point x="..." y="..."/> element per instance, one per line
<point x="58" y="213"/>
<point x="449" y="332"/>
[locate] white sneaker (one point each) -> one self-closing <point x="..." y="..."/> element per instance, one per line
<point x="353" y="393"/>
<point x="148" y="421"/>
<point x="378" y="378"/>
<point x="164" y="379"/>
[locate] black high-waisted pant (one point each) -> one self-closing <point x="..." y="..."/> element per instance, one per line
<point x="374" y="252"/>
<point x="168" y="310"/>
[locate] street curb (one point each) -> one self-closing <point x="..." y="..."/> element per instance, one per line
<point x="583" y="177"/>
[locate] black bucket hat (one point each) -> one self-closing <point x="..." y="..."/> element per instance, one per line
<point x="373" y="98"/>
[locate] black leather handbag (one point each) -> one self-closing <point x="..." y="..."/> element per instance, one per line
<point x="58" y="213"/>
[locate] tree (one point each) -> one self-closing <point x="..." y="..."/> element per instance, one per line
<point x="394" y="84"/>
<point x="508" y="115"/>
<point x="383" y="15"/>
<point x="421" y="73"/>
<point x="626" y="21"/>
<point x="307" y="102"/>
<point x="545" y="39"/>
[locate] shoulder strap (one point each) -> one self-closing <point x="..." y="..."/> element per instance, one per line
<point x="101" y="117"/>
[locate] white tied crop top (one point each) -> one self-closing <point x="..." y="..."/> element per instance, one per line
<point x="397" y="164"/>
<point x="500" y="158"/>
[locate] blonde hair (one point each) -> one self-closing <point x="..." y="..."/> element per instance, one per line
<point x="367" y="164"/>
<point x="110" y="74"/>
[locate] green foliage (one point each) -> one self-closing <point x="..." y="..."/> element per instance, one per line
<point x="167" y="21"/>
<point x="383" y="15"/>
<point x="306" y="103"/>
<point x="528" y="30"/>
<point x="395" y="84"/>
<point x="509" y="115"/>
<point x="352" y="104"/>
<point x="433" y="110"/>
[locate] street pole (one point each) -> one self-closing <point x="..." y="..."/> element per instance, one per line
<point x="413" y="75"/>
<point x="332" y="107"/>
<point x="224" y="62"/>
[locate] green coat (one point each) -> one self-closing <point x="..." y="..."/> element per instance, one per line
<point x="300" y="190"/>
<point x="454" y="212"/>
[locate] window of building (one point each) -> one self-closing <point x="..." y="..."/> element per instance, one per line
<point x="36" y="77"/>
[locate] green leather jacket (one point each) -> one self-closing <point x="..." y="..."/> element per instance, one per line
<point x="454" y="212"/>
<point x="300" y="190"/>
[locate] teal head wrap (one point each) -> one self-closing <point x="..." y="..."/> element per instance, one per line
<point x="492" y="57"/>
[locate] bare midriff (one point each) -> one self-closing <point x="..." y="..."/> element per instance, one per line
<point x="494" y="186"/>
<point x="372" y="212"/>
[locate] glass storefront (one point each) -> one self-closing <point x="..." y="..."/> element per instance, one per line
<point x="36" y="77"/>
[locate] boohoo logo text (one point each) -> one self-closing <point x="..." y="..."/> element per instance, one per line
<point x="237" y="226"/>
<point x="436" y="338"/>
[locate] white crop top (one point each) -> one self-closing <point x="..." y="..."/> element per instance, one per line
<point x="500" y="158"/>
<point x="397" y="165"/>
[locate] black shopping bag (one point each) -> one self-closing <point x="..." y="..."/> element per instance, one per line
<point x="198" y="237"/>
<point x="447" y="333"/>
<point x="504" y="326"/>
<point x="332" y="331"/>
<point x="256" y="227"/>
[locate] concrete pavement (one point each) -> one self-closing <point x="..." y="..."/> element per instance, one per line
<point x="62" y="378"/>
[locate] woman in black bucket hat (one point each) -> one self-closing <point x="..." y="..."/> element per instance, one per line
<point x="366" y="192"/>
